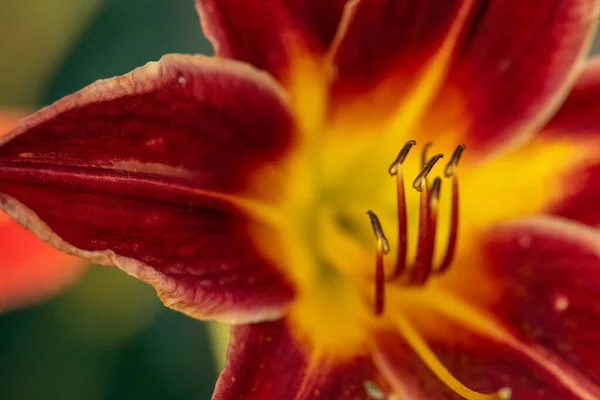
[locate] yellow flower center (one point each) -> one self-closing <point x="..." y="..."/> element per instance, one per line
<point x="342" y="273"/>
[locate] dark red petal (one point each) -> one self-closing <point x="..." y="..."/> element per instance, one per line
<point x="30" y="270"/>
<point x="138" y="171"/>
<point x="270" y="34"/>
<point x="547" y="273"/>
<point x="480" y="362"/>
<point x="264" y="361"/>
<point x="492" y="76"/>
<point x="577" y="123"/>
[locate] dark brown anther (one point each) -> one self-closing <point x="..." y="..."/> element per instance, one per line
<point x="454" y="160"/>
<point x="424" y="154"/>
<point x="420" y="179"/>
<point x="378" y="230"/>
<point x="382" y="248"/>
<point x="393" y="169"/>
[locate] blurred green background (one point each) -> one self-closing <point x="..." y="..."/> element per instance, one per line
<point x="108" y="336"/>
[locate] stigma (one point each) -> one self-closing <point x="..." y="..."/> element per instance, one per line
<point x="422" y="268"/>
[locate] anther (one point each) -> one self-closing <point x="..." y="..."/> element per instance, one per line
<point x="454" y="160"/>
<point x="378" y="230"/>
<point x="382" y="248"/>
<point x="420" y="179"/>
<point x="393" y="170"/>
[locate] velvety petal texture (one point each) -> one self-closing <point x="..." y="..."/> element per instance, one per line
<point x="577" y="122"/>
<point x="30" y="269"/>
<point x="514" y="65"/>
<point x="264" y="361"/>
<point x="270" y="34"/>
<point x="480" y="362"/>
<point x="480" y="72"/>
<point x="548" y="272"/>
<point x="152" y="171"/>
<point x="534" y="331"/>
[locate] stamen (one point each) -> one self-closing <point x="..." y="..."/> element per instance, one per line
<point x="420" y="179"/>
<point x="382" y="248"/>
<point x="378" y="230"/>
<point x="395" y="169"/>
<point x="454" y="160"/>
<point x="427" y="229"/>
<point x="424" y="352"/>
<point x="453" y="237"/>
<point x="450" y="171"/>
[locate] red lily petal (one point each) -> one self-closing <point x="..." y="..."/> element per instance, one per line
<point x="577" y="122"/>
<point x="486" y="71"/>
<point x="30" y="270"/>
<point x="138" y="171"/>
<point x="524" y="318"/>
<point x="480" y="362"/>
<point x="547" y="272"/>
<point x="266" y="34"/>
<point x="264" y="361"/>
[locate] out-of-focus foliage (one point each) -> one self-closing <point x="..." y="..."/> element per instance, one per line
<point x="34" y="35"/>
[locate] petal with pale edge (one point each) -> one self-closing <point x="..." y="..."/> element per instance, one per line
<point x="267" y="34"/>
<point x="577" y="122"/>
<point x="480" y="72"/>
<point x="30" y="270"/>
<point x="548" y="275"/>
<point x="151" y="172"/>
<point x="265" y="361"/>
<point x="535" y="331"/>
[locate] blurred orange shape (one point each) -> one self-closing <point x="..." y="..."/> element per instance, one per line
<point x="30" y="270"/>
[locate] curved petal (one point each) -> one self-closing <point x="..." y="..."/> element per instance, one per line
<point x="264" y="361"/>
<point x="480" y="361"/>
<point x="287" y="38"/>
<point x="270" y="34"/>
<point x="489" y="72"/>
<point x="577" y="122"/>
<point x="547" y="274"/>
<point x="556" y="171"/>
<point x="160" y="173"/>
<point x="525" y="317"/>
<point x="30" y="270"/>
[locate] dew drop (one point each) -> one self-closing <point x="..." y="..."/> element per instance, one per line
<point x="561" y="303"/>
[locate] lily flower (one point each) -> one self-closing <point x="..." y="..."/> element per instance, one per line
<point x="30" y="270"/>
<point x="385" y="198"/>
